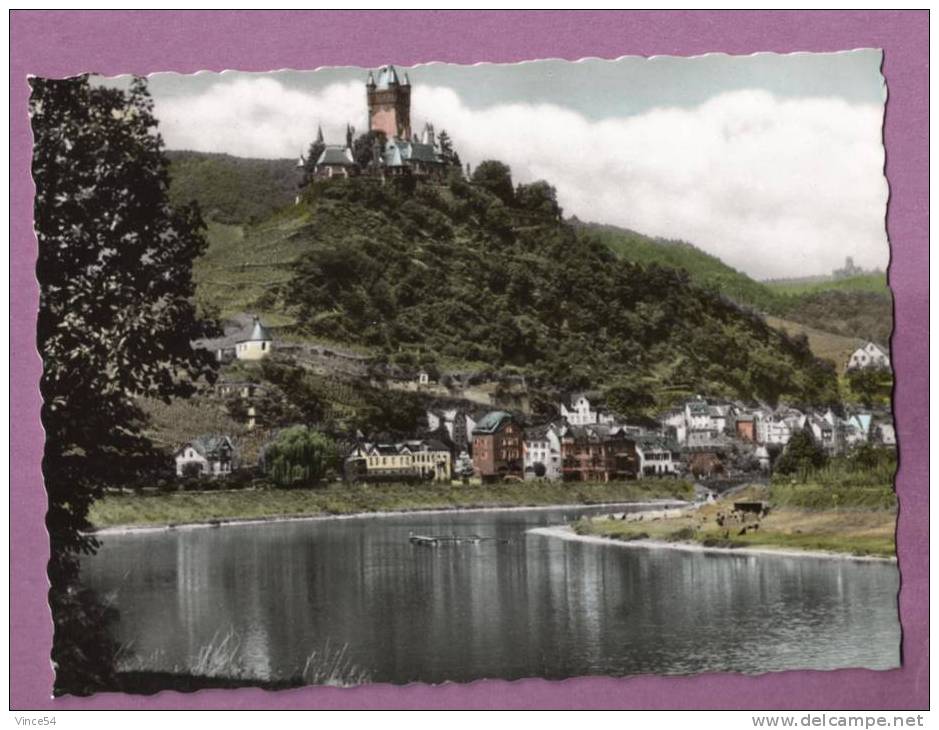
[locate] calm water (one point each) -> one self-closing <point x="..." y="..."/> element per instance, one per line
<point x="534" y="606"/>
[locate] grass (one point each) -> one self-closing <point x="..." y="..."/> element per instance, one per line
<point x="825" y="345"/>
<point x="221" y="663"/>
<point x="876" y="283"/>
<point x="189" y="507"/>
<point x="861" y="527"/>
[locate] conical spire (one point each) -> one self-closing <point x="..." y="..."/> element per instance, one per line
<point x="319" y="134"/>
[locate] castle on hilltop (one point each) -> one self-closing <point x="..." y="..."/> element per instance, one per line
<point x="389" y="148"/>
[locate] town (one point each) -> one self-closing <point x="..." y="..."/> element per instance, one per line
<point x="704" y="437"/>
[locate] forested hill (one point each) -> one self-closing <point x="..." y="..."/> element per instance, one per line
<point x="487" y="273"/>
<point x="232" y="189"/>
<point x="859" y="307"/>
<point x="705" y="269"/>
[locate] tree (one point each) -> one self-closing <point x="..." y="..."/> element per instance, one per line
<point x="872" y="386"/>
<point x="447" y="153"/>
<point x="495" y="177"/>
<point x="363" y="149"/>
<point x="116" y="308"/>
<point x="539" y="197"/>
<point x="802" y="454"/>
<point x="299" y="455"/>
<point x="315" y="151"/>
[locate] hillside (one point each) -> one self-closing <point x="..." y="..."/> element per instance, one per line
<point x="452" y="274"/>
<point x="874" y="283"/>
<point x="232" y="189"/>
<point x="855" y="307"/>
<point x="705" y="270"/>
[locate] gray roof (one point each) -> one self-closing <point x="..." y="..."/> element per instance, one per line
<point x="387" y="77"/>
<point x="400" y="152"/>
<point x="336" y="155"/>
<point x="259" y="333"/>
<point x="493" y="422"/>
<point x="209" y="445"/>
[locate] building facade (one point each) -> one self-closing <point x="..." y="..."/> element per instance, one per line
<point x="497" y="446"/>
<point x="208" y="455"/>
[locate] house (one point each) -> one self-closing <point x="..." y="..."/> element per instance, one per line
<point x="207" y="455"/>
<point x="869" y="356"/>
<point x="583" y="409"/>
<point x="459" y="425"/>
<point x="335" y="161"/>
<point x="707" y="461"/>
<point x="857" y="429"/>
<point x="256" y="345"/>
<point x="778" y="427"/>
<point x="542" y="452"/>
<point x="497" y="446"/>
<point x="884" y="433"/>
<point x="597" y="453"/>
<point x="745" y="427"/>
<point x="415" y="460"/>
<point x="657" y="456"/>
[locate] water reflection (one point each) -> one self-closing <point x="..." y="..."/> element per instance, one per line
<point x="534" y="606"/>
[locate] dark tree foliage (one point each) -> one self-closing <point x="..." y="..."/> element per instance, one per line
<point x="313" y="154"/>
<point x="447" y="153"/>
<point x="456" y="273"/>
<point x="538" y="197"/>
<point x="116" y="310"/>
<point x="496" y="178"/>
<point x="872" y="386"/>
<point x="364" y="147"/>
<point x="801" y="455"/>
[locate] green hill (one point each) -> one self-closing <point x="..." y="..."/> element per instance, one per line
<point x="854" y="307"/>
<point x="871" y="283"/>
<point x="703" y="268"/>
<point x="232" y="189"/>
<point x="437" y="274"/>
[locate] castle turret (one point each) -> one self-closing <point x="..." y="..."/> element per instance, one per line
<point x="389" y="104"/>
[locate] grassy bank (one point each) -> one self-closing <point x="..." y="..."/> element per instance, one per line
<point x="863" y="526"/>
<point x="187" y="507"/>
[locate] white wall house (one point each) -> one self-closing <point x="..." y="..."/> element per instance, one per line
<point x="542" y="445"/>
<point x="580" y="412"/>
<point x="258" y="344"/>
<point x="656" y="457"/>
<point x="869" y="356"/>
<point x="211" y="454"/>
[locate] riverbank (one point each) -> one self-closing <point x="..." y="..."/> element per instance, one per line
<point x="565" y="532"/>
<point x="141" y="510"/>
<point x="845" y="531"/>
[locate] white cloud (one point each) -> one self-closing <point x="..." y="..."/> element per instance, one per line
<point x="775" y="187"/>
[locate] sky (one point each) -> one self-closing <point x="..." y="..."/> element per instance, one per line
<point x="772" y="162"/>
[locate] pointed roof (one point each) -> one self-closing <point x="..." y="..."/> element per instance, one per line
<point x="259" y="333"/>
<point x="336" y="155"/>
<point x="387" y="77"/>
<point x="319" y="133"/>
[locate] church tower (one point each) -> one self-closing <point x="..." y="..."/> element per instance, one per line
<point x="389" y="104"/>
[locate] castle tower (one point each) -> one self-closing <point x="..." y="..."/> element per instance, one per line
<point x="389" y="103"/>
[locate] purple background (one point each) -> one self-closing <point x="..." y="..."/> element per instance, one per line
<point x="59" y="43"/>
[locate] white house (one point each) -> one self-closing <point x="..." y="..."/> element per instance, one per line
<point x="885" y="433"/>
<point x="211" y="455"/>
<point x="542" y="445"/>
<point x="869" y="356"/>
<point x="656" y="456"/>
<point x="258" y="344"/>
<point x="580" y="412"/>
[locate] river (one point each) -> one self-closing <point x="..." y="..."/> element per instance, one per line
<point x="525" y="605"/>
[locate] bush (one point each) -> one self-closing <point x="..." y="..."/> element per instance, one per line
<point x="299" y="456"/>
